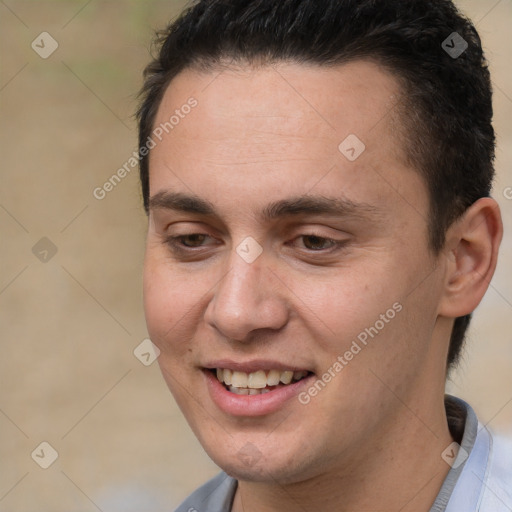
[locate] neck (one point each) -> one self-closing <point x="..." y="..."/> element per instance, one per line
<point x="400" y="469"/>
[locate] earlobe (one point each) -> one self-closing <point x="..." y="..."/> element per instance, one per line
<point x="472" y="242"/>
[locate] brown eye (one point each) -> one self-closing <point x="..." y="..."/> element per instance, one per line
<point x="198" y="237"/>
<point x="316" y="242"/>
<point x="184" y="243"/>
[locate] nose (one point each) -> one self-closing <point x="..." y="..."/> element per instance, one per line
<point x="249" y="297"/>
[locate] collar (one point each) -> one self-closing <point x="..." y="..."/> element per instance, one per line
<point x="483" y="480"/>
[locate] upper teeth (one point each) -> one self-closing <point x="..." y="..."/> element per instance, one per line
<point x="259" y="379"/>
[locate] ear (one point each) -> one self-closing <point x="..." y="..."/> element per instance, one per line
<point x="472" y="245"/>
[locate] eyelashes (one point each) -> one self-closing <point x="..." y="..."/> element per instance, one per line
<point x="176" y="243"/>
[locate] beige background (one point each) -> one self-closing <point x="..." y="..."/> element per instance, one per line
<point x="70" y="325"/>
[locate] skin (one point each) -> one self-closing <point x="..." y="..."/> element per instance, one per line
<point x="263" y="134"/>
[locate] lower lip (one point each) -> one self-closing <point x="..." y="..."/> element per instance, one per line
<point x="252" y="405"/>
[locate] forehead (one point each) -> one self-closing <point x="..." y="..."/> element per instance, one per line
<point x="278" y="127"/>
<point x="358" y="97"/>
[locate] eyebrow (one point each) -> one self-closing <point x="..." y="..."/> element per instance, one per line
<point x="292" y="206"/>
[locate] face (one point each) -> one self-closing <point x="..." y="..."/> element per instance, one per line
<point x="292" y="261"/>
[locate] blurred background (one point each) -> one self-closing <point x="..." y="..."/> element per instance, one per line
<point x="70" y="270"/>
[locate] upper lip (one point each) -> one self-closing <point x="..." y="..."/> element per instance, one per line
<point x="254" y="365"/>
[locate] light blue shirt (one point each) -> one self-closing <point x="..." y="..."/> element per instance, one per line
<point x="482" y="482"/>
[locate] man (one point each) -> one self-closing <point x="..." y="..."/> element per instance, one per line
<point x="317" y="178"/>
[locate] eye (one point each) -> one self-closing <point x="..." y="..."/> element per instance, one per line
<point x="175" y="242"/>
<point x="316" y="242"/>
<point x="188" y="242"/>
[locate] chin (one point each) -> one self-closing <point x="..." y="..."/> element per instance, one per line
<point x="261" y="460"/>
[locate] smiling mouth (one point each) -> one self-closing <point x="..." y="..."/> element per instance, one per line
<point x="257" y="383"/>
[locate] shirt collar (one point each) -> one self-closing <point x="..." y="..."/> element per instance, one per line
<point x="462" y="487"/>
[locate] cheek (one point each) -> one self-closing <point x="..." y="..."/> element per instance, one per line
<point x="342" y="304"/>
<point x="169" y="301"/>
<point x="167" y="306"/>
